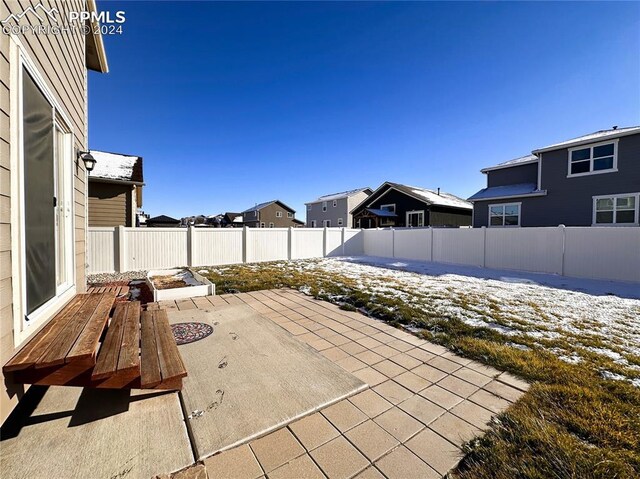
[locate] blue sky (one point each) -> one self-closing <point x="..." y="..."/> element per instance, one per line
<point x="232" y="104"/>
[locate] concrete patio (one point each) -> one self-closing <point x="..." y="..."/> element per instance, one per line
<point x="418" y="405"/>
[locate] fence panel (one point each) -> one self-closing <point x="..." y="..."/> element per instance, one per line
<point x="152" y="248"/>
<point x="412" y="244"/>
<point x="334" y="242"/>
<point x="459" y="246"/>
<point x="101" y="250"/>
<point x="211" y="247"/>
<point x="353" y="242"/>
<point x="307" y="243"/>
<point x="603" y="253"/>
<point x="378" y="243"/>
<point x="525" y="249"/>
<point x="270" y="244"/>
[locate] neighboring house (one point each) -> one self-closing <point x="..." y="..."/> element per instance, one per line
<point x="397" y="205"/>
<point x="335" y="209"/>
<point x="43" y="113"/>
<point x="115" y="189"/>
<point x="232" y="220"/>
<point x="272" y="214"/>
<point x="163" y="221"/>
<point x="592" y="180"/>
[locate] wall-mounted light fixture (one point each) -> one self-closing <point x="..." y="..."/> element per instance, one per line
<point x="88" y="160"/>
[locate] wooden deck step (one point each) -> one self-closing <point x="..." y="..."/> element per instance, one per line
<point x="161" y="364"/>
<point x="118" y="363"/>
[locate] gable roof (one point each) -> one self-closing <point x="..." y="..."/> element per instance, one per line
<point x="430" y="197"/>
<point x="267" y="203"/>
<point x="523" y="160"/>
<point x="117" y="167"/>
<point x="343" y="194"/>
<point x="600" y="135"/>
<point x="163" y="219"/>
<point x="508" y="191"/>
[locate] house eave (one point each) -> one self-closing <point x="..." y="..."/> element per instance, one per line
<point x="95" y="54"/>
<point x="97" y="179"/>
<point x="508" y="197"/>
<point x="502" y="167"/>
<point x="584" y="142"/>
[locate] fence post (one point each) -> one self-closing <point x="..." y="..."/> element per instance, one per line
<point x="564" y="243"/>
<point x="244" y="244"/>
<point x="393" y="242"/>
<point x="190" y="233"/>
<point x="121" y="255"/>
<point x="431" y="252"/>
<point x="484" y="246"/>
<point x="344" y="230"/>
<point x="290" y="244"/>
<point x="324" y="242"/>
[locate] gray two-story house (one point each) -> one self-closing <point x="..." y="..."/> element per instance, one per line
<point x="335" y="209"/>
<point x="592" y="180"/>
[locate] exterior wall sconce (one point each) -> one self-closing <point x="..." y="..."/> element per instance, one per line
<point x="88" y="160"/>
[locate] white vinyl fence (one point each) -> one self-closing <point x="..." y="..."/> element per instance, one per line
<point x="600" y="253"/>
<point x="130" y="249"/>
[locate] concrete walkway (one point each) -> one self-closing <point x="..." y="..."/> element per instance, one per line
<point x="422" y="404"/>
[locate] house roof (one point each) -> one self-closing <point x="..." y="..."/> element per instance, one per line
<point x="430" y="197"/>
<point x="522" y="189"/>
<point x="523" y="160"/>
<point x="267" y="203"/>
<point x="600" y="135"/>
<point x="117" y="167"/>
<point x="163" y="219"/>
<point x="337" y="196"/>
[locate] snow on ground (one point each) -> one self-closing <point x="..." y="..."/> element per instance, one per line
<point x="588" y="317"/>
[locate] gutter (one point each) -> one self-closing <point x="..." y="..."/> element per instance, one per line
<point x="585" y="142"/>
<point x="113" y="181"/>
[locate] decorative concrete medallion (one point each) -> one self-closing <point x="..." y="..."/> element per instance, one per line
<point x="186" y="333"/>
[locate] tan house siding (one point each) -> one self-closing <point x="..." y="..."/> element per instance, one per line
<point x="268" y="215"/>
<point x="110" y="204"/>
<point x="60" y="60"/>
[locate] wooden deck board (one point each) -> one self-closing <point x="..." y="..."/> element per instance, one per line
<point x="38" y="345"/>
<point x="107" y="362"/>
<point x="171" y="365"/>
<point x="130" y="347"/>
<point x="150" y="375"/>
<point x="86" y="346"/>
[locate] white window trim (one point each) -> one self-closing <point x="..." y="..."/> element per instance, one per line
<point x="272" y="224"/>
<point x="324" y="206"/>
<point x="335" y="203"/>
<point x="313" y="223"/>
<point x="278" y="214"/>
<point x="18" y="60"/>
<point x="413" y="212"/>
<point x="289" y="214"/>
<point x="390" y="204"/>
<point x="340" y="222"/>
<point x="519" y="205"/>
<point x="614" y="169"/>
<point x="261" y="225"/>
<point x="326" y="223"/>
<point x="617" y="225"/>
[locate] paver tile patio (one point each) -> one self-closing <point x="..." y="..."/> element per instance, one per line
<point x="371" y="440"/>
<point x="302" y="467"/>
<point x="401" y="463"/>
<point x="339" y="459"/>
<point x="440" y="396"/>
<point x="313" y="431"/>
<point x="393" y="392"/>
<point x="344" y="415"/>
<point x="456" y="430"/>
<point x="420" y="408"/>
<point x="237" y="463"/>
<point x="276" y="449"/>
<point x="412" y="381"/>
<point x="398" y="423"/>
<point x="370" y="376"/>
<point x="370" y="403"/>
<point x="436" y="451"/>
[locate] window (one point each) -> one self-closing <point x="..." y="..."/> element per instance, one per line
<point x="261" y="225"/>
<point x="271" y="225"/>
<point x="504" y="215"/>
<point x="335" y="203"/>
<point x="326" y="223"/>
<point x="289" y="214"/>
<point x="391" y="208"/>
<point x="598" y="158"/>
<point x="339" y="221"/>
<point x="313" y="223"/>
<point x="616" y="209"/>
<point x="324" y="206"/>
<point x="415" y="219"/>
<point x="278" y="214"/>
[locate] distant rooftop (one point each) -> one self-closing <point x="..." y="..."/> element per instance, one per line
<point x="523" y="160"/>
<point x="342" y="194"/>
<point x="267" y="203"/>
<point x="433" y="197"/>
<point x="117" y="167"/>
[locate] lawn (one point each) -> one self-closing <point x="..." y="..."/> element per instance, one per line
<point x="575" y="340"/>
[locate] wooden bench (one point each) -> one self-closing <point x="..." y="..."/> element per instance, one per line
<point x="138" y="350"/>
<point x="118" y="290"/>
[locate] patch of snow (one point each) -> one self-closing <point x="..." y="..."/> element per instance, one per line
<point x="113" y="166"/>
<point x="442" y="199"/>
